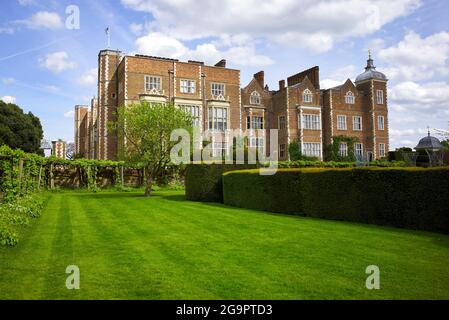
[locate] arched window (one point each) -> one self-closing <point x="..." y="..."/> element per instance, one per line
<point x="307" y="96"/>
<point x="349" y="98"/>
<point x="255" y="98"/>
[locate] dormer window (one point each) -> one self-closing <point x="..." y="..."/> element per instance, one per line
<point x="254" y="98"/>
<point x="349" y="98"/>
<point x="307" y="96"/>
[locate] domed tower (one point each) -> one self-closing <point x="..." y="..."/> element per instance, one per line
<point x="373" y="84"/>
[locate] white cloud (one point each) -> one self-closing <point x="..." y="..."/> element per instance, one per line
<point x="57" y="62"/>
<point x="89" y="78"/>
<point x="314" y="24"/>
<point x="26" y="2"/>
<point x="421" y="97"/>
<point x="329" y="83"/>
<point x="69" y="114"/>
<point x="413" y="107"/>
<point x="158" y="44"/>
<point x="375" y="45"/>
<point x="136" y="28"/>
<point x="43" y="20"/>
<point x="339" y="76"/>
<point x="417" y="58"/>
<point x="8" y="81"/>
<point x="8" y="99"/>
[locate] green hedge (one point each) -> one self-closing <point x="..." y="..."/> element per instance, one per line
<point x="402" y="197"/>
<point x="203" y="182"/>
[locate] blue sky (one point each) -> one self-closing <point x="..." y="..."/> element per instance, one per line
<point x="48" y="68"/>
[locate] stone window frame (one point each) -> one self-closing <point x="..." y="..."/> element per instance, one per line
<point x="148" y="83"/>
<point x="342" y="116"/>
<point x="189" y="88"/>
<point x="282" y="150"/>
<point x="311" y="149"/>
<point x="380" y="96"/>
<point x="216" y="91"/>
<point x="349" y="97"/>
<point x="284" y="122"/>
<point x="381" y="123"/>
<point x="382" y="149"/>
<point x="307" y="96"/>
<point x="313" y="124"/>
<point x="343" y="152"/>
<point x="194" y="110"/>
<point x="354" y="128"/>
<point x="212" y="118"/>
<point x="356" y="149"/>
<point x="255" y="98"/>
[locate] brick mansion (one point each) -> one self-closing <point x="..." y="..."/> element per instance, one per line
<point x="301" y="111"/>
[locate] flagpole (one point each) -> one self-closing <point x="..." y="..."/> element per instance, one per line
<point x="108" y="33"/>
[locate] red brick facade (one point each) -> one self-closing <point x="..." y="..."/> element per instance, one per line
<point x="300" y="110"/>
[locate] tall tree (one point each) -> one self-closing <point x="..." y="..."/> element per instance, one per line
<point x="20" y="130"/>
<point x="145" y="131"/>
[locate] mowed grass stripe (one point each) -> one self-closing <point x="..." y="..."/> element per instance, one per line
<point x="167" y="248"/>
<point x="191" y="247"/>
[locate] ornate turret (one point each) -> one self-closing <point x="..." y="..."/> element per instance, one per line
<point x="370" y="71"/>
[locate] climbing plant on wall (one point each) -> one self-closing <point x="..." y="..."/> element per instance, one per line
<point x="333" y="150"/>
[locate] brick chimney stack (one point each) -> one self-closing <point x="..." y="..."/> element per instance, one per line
<point x="260" y="77"/>
<point x="221" y="63"/>
<point x="281" y="85"/>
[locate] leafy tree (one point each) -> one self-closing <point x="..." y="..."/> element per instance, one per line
<point x="145" y="130"/>
<point x="20" y="130"/>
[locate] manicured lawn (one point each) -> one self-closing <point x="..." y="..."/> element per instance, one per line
<point x="165" y="247"/>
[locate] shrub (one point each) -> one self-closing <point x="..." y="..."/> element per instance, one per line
<point x="401" y="197"/>
<point x="8" y="237"/>
<point x="203" y="182"/>
<point x="17" y="212"/>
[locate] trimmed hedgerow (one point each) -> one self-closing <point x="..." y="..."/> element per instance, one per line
<point x="203" y="181"/>
<point x="412" y="198"/>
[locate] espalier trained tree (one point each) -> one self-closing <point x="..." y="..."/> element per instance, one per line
<point x="144" y="130"/>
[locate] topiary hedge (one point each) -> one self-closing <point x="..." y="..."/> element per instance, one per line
<point x="412" y="198"/>
<point x="203" y="182"/>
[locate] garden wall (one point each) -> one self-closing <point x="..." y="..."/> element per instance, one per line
<point x="401" y="197"/>
<point x="70" y="177"/>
